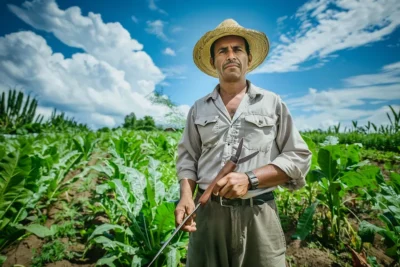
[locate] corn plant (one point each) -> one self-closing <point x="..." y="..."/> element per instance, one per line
<point x="14" y="113"/>
<point x="339" y="171"/>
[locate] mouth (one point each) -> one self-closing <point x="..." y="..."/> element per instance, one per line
<point x="231" y="65"/>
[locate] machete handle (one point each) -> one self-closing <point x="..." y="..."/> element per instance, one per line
<point x="228" y="168"/>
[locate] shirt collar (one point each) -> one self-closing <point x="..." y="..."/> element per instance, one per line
<point x="252" y="91"/>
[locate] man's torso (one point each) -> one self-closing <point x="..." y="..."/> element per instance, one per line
<point x="255" y="119"/>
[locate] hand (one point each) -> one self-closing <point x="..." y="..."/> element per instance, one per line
<point x="232" y="185"/>
<point x="183" y="209"/>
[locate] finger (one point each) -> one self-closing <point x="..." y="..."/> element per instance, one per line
<point x="221" y="183"/>
<point x="223" y="192"/>
<point x="179" y="216"/>
<point x="189" y="221"/>
<point x="232" y="194"/>
<point x="189" y="210"/>
<point x="189" y="228"/>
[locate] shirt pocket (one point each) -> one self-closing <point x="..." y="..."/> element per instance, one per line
<point x="208" y="127"/>
<point x="259" y="131"/>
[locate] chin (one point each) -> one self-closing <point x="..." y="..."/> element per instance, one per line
<point x="231" y="78"/>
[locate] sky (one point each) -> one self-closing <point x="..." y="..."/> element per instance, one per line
<point x="330" y="61"/>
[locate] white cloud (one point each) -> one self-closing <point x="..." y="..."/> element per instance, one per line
<point x="175" y="72"/>
<point x="329" y="26"/>
<point x="343" y="105"/>
<point x="99" y="119"/>
<point x="169" y="51"/>
<point x="108" y="42"/>
<point x="165" y="84"/>
<point x="323" y="120"/>
<point x="176" y="29"/>
<point x="135" y="19"/>
<point x="82" y="84"/>
<point x="377" y="102"/>
<point x="154" y="7"/>
<point x="184" y="109"/>
<point x="281" y="19"/>
<point x="45" y="111"/>
<point x="389" y="74"/>
<point x="109" y="80"/>
<point x="283" y="38"/>
<point x="157" y="28"/>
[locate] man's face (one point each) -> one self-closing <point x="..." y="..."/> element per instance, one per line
<point x="231" y="60"/>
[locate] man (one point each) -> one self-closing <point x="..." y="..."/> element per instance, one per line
<point x="239" y="226"/>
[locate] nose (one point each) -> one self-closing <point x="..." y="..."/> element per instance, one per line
<point x="231" y="54"/>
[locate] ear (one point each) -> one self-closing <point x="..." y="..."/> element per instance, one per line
<point x="250" y="59"/>
<point x="212" y="62"/>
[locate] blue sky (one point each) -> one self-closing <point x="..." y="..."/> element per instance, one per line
<point x="330" y="61"/>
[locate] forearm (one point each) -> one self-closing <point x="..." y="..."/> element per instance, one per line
<point x="187" y="188"/>
<point x="270" y="175"/>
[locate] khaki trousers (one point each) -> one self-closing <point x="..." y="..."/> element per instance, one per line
<point x="240" y="236"/>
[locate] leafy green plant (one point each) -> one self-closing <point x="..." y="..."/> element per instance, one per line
<point x="50" y="252"/>
<point x="387" y="201"/>
<point x="141" y="210"/>
<point x="305" y="224"/>
<point x="340" y="171"/>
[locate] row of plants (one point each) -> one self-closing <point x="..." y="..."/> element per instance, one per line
<point x="32" y="172"/>
<point x="378" y="141"/>
<point x="18" y="116"/>
<point x="393" y="126"/>
<point x="138" y="196"/>
<point x="340" y="187"/>
<point x="138" y="191"/>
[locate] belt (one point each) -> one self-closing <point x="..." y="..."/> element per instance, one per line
<point x="257" y="200"/>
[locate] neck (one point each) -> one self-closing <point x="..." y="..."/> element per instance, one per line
<point x="232" y="88"/>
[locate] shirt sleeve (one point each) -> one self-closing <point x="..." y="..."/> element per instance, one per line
<point x="295" y="157"/>
<point x="189" y="150"/>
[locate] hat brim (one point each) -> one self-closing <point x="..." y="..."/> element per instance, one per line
<point x="258" y="42"/>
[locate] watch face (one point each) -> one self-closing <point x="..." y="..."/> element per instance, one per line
<point x="254" y="182"/>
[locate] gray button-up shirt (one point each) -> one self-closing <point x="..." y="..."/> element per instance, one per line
<point x="211" y="136"/>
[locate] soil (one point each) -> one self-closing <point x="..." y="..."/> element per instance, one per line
<point x="304" y="256"/>
<point x="65" y="263"/>
<point x="22" y="253"/>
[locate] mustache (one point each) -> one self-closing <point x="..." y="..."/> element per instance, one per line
<point x="231" y="63"/>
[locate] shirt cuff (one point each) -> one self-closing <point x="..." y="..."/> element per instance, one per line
<point x="187" y="174"/>
<point x="296" y="177"/>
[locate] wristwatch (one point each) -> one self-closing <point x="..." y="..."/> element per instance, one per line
<point x="253" y="180"/>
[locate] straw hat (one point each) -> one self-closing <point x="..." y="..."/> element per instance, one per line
<point x="258" y="42"/>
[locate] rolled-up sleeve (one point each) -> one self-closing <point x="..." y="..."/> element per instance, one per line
<point x="295" y="157"/>
<point x="189" y="149"/>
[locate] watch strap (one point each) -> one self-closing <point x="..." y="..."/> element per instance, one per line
<point x="253" y="180"/>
